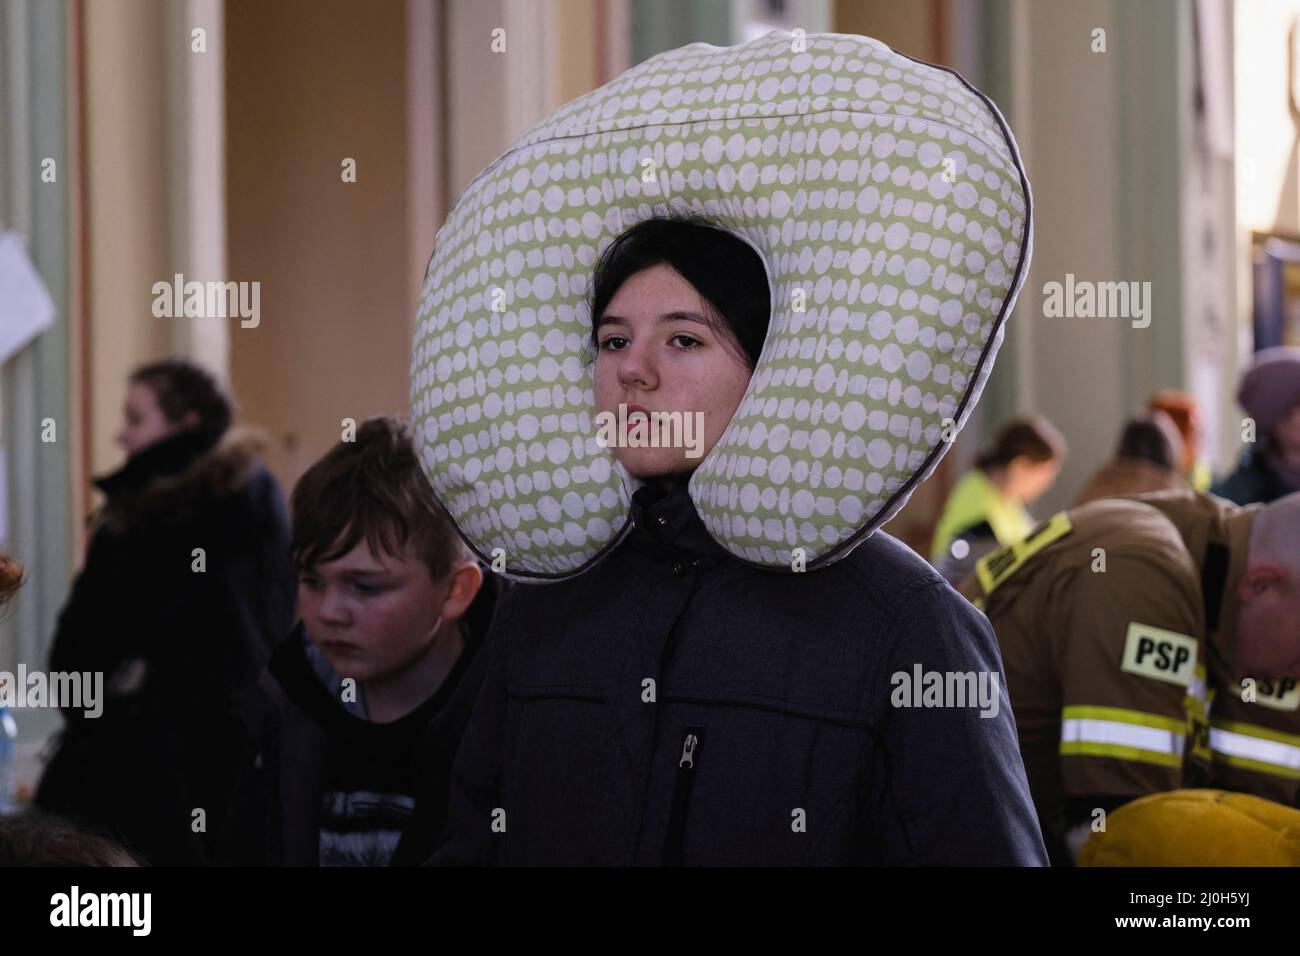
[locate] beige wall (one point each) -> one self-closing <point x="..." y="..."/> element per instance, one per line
<point x="494" y="97"/>
<point x="1071" y="370"/>
<point x="151" y="195"/>
<point x="126" y="205"/>
<point x="577" y="43"/>
<point x="556" y="50"/>
<point x="906" y="27"/>
<point x="308" y="84"/>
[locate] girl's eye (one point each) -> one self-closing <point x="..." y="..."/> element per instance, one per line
<point x="367" y="589"/>
<point x="609" y="343"/>
<point x="310" y="582"/>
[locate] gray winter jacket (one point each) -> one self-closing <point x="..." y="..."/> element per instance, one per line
<point x="675" y="705"/>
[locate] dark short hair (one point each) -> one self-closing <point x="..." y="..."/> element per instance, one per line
<point x="722" y="267"/>
<point x="372" y="488"/>
<point x="1032" y="436"/>
<point x="183" y="387"/>
<point x="1152" y="437"/>
<point x="35" y="838"/>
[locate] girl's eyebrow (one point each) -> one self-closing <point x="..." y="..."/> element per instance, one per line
<point x="608" y="319"/>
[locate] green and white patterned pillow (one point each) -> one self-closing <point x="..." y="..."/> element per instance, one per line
<point x="885" y="196"/>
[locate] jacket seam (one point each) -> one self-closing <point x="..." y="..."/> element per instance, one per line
<point x="771" y="704"/>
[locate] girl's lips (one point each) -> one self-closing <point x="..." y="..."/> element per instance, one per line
<point x="639" y="422"/>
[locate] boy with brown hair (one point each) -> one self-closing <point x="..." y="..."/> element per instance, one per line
<point x="360" y="710"/>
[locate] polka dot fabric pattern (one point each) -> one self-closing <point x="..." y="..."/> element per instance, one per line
<point x="888" y="203"/>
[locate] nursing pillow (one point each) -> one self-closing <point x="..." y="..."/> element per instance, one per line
<point x="887" y="201"/>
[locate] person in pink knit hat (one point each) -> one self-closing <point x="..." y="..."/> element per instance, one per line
<point x="1270" y="393"/>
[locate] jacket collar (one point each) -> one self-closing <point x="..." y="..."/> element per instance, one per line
<point x="1272" y="480"/>
<point x="167" y="457"/>
<point x="175" y="480"/>
<point x="308" y="680"/>
<point x="668" y="526"/>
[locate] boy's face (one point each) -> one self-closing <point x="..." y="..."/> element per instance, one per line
<point x="370" y="614"/>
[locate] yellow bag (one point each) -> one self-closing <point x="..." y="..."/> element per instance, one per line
<point x="1197" y="828"/>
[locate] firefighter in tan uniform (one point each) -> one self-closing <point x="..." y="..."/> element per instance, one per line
<point x="1255" y="738"/>
<point x="1120" y="622"/>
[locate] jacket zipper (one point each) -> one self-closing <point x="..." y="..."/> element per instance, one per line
<point x="687" y="769"/>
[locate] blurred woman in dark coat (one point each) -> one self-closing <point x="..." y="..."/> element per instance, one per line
<point x="187" y="583"/>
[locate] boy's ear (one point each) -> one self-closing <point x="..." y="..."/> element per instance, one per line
<point x="465" y="578"/>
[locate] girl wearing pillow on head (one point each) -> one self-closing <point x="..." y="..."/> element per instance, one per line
<point x="675" y="705"/>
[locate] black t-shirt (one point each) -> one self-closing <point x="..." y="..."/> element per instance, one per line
<point x="378" y="792"/>
<point x="370" y="778"/>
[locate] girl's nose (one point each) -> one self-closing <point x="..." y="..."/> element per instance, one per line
<point x="635" y="367"/>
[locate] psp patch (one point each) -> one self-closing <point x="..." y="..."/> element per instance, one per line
<point x="1159" y="654"/>
<point x="1281" y="694"/>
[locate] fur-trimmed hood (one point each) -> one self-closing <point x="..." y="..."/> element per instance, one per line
<point x="167" y="484"/>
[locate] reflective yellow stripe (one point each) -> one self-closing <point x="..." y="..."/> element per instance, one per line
<point x="1258" y="766"/>
<point x="1252" y="730"/>
<point x="1122" y="734"/>
<point x="1259" y="749"/>
<point x="1120" y="752"/>
<point x="992" y="569"/>
<point x="1119" y="714"/>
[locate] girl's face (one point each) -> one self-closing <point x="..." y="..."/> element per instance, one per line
<point x="143" y="420"/>
<point x="656" y="350"/>
<point x="1027" y="480"/>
